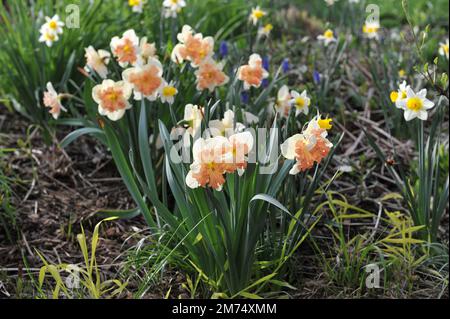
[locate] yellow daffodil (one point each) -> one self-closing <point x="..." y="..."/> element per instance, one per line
<point x="327" y="37"/>
<point x="257" y="14"/>
<point x="415" y="105"/>
<point x="265" y="30"/>
<point x="370" y="29"/>
<point x="443" y="48"/>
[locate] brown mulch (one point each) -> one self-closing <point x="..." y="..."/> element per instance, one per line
<point x="58" y="191"/>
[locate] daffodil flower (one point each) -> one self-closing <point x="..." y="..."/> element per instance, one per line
<point x="282" y="104"/>
<point x="167" y="92"/>
<point x="308" y="147"/>
<point x="97" y="61"/>
<point x="48" y="37"/>
<point x="192" y="47"/>
<point x="126" y="49"/>
<point x="136" y="5"/>
<point x="112" y="98"/>
<point x="210" y="75"/>
<point x="236" y="159"/>
<point x="53" y="25"/>
<point x="443" y="48"/>
<point x="400" y="94"/>
<point x="216" y="156"/>
<point x="52" y="100"/>
<point x="327" y="37"/>
<point x="146" y="80"/>
<point x="253" y="73"/>
<point x="301" y="102"/>
<point x="370" y="29"/>
<point x="146" y="50"/>
<point x="325" y="123"/>
<point x="265" y="30"/>
<point x="209" y="165"/>
<point x="256" y="15"/>
<point x="173" y="7"/>
<point x="416" y="105"/>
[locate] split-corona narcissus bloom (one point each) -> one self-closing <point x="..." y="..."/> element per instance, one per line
<point x="146" y="80"/>
<point x="52" y="100"/>
<point x="443" y="48"/>
<point x="241" y="145"/>
<point x="97" y="61"/>
<point x="146" y="50"/>
<point x="256" y="15"/>
<point x="173" y="7"/>
<point x="51" y="30"/>
<point x="415" y="105"/>
<point x="192" y="47"/>
<point x="308" y="147"/>
<point x="112" y="98"/>
<point x="253" y="73"/>
<point x="327" y="37"/>
<point x="126" y="49"/>
<point x="301" y="102"/>
<point x="370" y="29"/>
<point x="210" y="75"/>
<point x="216" y="156"/>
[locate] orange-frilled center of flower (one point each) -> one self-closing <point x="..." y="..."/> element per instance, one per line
<point x="252" y="75"/>
<point x="195" y="49"/>
<point x="126" y="52"/>
<point x="306" y="157"/>
<point x="211" y="170"/>
<point x="112" y="99"/>
<point x="210" y="75"/>
<point x="146" y="81"/>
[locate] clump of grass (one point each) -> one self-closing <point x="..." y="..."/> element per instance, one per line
<point x="81" y="281"/>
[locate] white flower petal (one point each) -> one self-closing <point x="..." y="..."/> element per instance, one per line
<point x="288" y="147"/>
